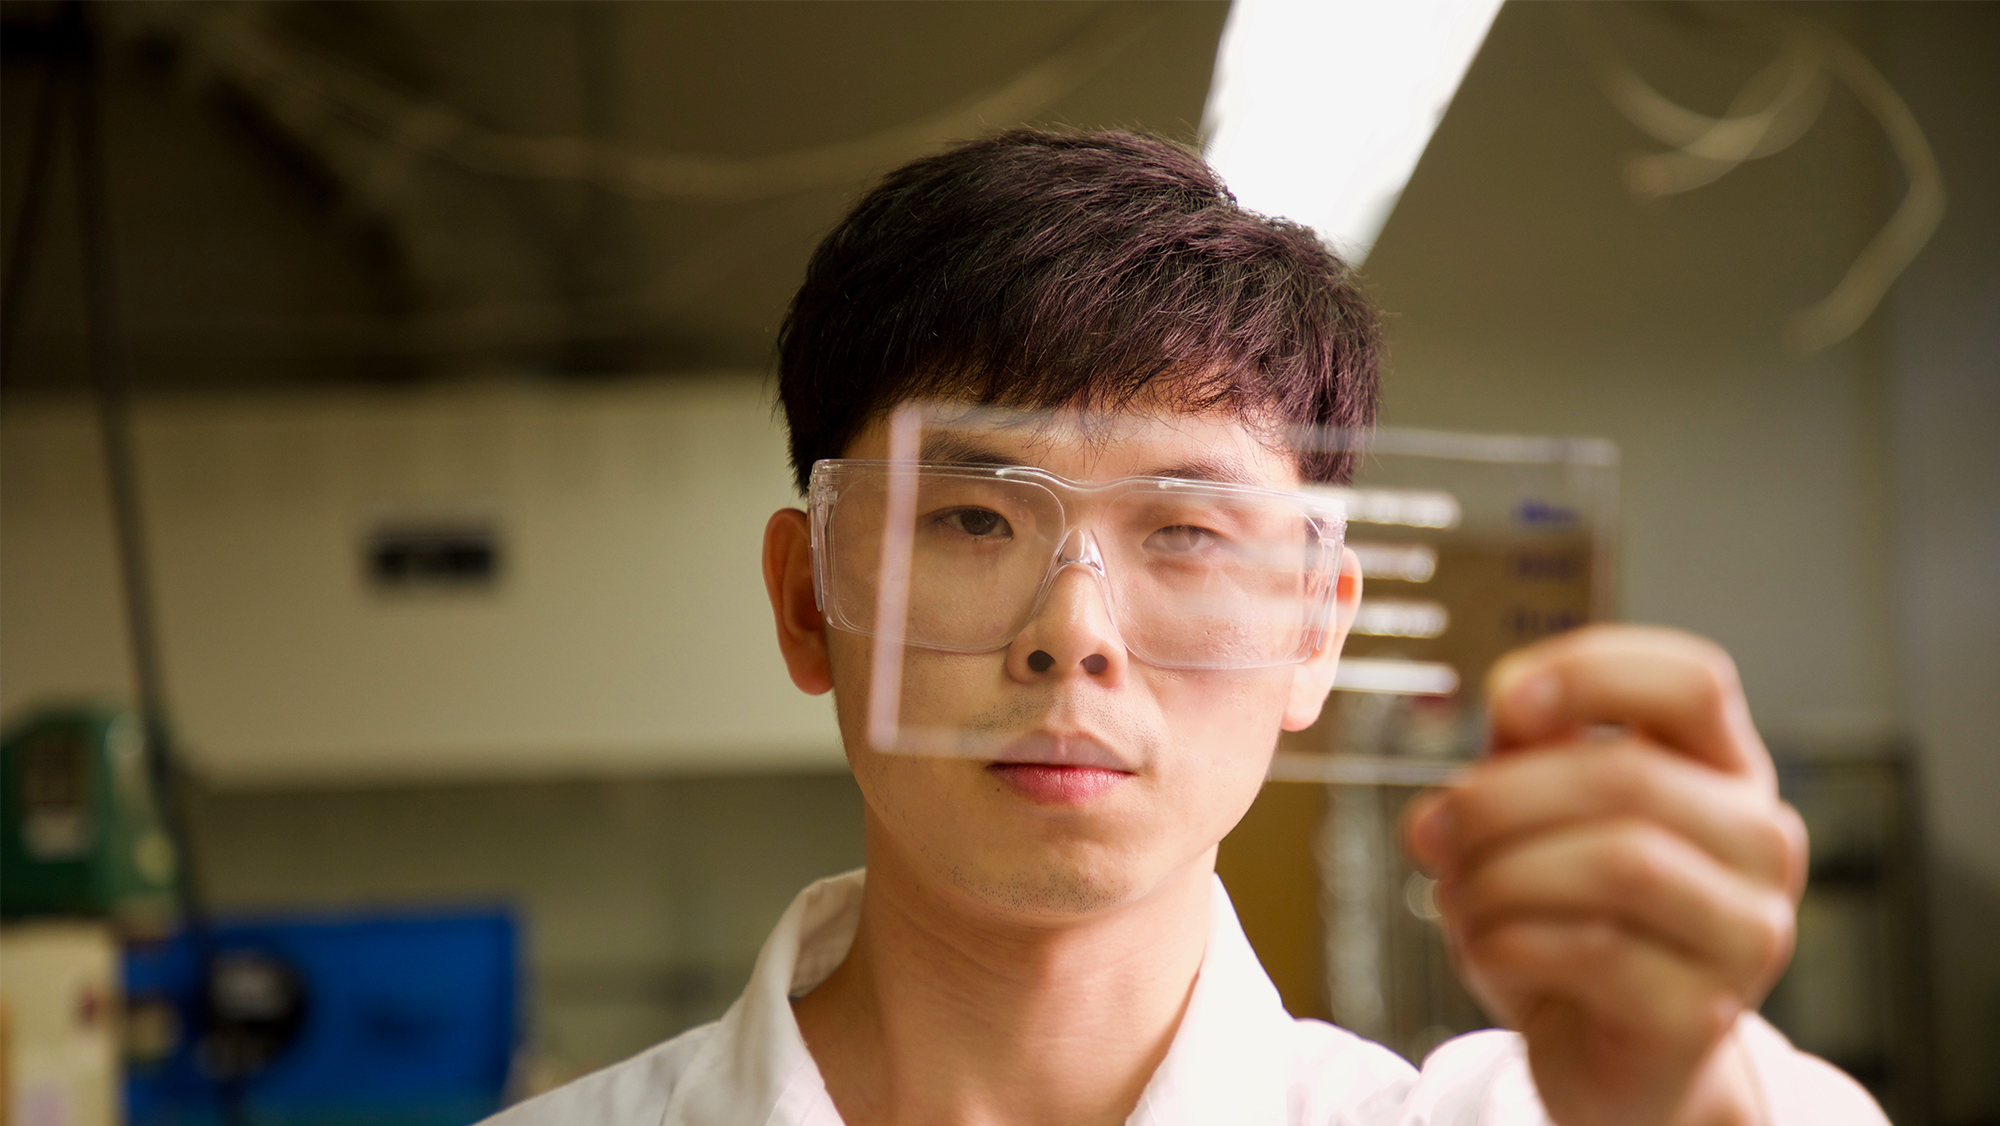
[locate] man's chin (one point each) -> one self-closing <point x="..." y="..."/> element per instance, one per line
<point x="1046" y="881"/>
<point x="1055" y="891"/>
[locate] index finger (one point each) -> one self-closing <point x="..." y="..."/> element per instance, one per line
<point x="1506" y="801"/>
<point x="1673" y="687"/>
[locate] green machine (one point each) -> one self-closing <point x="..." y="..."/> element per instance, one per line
<point x="80" y="825"/>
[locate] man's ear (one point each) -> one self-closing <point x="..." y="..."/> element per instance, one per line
<point x="788" y="579"/>
<point x="1313" y="678"/>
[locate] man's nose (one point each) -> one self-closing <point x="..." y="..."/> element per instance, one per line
<point x="1072" y="633"/>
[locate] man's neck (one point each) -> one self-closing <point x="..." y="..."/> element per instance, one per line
<point x="942" y="1014"/>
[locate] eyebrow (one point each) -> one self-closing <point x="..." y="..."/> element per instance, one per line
<point x="1225" y="469"/>
<point x="956" y="449"/>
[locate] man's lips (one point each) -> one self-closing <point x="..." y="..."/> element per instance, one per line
<point x="1060" y="769"/>
<point x="1042" y="748"/>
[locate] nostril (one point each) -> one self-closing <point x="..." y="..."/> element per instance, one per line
<point x="1096" y="663"/>
<point x="1041" y="661"/>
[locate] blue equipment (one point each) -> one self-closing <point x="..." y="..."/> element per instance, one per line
<point x="389" y="1019"/>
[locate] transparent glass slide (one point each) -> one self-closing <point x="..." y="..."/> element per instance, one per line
<point x="991" y="544"/>
<point x="1470" y="545"/>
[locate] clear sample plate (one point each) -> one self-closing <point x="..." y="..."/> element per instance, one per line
<point x="1198" y="555"/>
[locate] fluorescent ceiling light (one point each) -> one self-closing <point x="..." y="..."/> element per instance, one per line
<point x="1416" y="508"/>
<point x="1395" y="617"/>
<point x="1405" y="562"/>
<point x="1397" y="677"/>
<point x="1320" y="108"/>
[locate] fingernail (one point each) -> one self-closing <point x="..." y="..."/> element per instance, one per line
<point x="1535" y="699"/>
<point x="1431" y="836"/>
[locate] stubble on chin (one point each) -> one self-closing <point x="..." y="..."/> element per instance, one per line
<point x="1048" y="889"/>
<point x="1018" y="876"/>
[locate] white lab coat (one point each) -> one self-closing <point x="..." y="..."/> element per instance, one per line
<point x="1238" y="1058"/>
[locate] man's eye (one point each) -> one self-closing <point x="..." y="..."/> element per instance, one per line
<point x="980" y="523"/>
<point x="1181" y="539"/>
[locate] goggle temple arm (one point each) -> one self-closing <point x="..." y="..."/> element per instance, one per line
<point x="819" y="502"/>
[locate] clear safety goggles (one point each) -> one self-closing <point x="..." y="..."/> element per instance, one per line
<point x="961" y="559"/>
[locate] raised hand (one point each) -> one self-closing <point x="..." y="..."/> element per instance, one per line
<point x="1619" y="881"/>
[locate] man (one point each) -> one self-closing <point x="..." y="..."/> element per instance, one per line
<point x="1040" y="937"/>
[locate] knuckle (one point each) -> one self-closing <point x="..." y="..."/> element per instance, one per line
<point x="1586" y="946"/>
<point x="1716" y="657"/>
<point x="1713" y="685"/>
<point x="1777" y="843"/>
<point x="1599" y="944"/>
<point x="1624" y="779"/>
<point x="1710" y="655"/>
<point x="1797" y="844"/>
<point x="1777" y="934"/>
<point x="1639" y="864"/>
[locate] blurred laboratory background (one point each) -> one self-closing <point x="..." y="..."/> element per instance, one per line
<point x="393" y="723"/>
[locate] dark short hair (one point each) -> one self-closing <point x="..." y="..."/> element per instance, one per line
<point x="1044" y="269"/>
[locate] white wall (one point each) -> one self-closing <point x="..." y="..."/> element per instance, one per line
<point x="628" y="629"/>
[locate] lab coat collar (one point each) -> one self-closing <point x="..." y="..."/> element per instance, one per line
<point x="1232" y="1056"/>
<point x="756" y="1068"/>
<point x="1228" y="1061"/>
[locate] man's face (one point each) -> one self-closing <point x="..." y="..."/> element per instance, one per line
<point x="1118" y="775"/>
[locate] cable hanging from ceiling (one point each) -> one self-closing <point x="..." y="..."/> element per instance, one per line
<point x="1771" y="111"/>
<point x="314" y="94"/>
